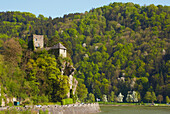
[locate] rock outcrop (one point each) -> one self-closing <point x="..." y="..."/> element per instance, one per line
<point x="68" y="69"/>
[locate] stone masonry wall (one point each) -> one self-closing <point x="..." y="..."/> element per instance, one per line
<point x="71" y="109"/>
<point x="38" y="41"/>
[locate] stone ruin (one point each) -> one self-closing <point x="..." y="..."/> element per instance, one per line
<point x="36" y="42"/>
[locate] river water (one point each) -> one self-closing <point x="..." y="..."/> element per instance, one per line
<point x="134" y="110"/>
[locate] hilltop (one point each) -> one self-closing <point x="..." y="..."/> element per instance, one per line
<point x="116" y="48"/>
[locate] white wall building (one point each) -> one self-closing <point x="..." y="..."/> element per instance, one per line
<point x="62" y="50"/>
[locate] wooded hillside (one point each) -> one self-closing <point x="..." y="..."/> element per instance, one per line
<point x="119" y="47"/>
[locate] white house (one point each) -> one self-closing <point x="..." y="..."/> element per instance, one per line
<point x="62" y="50"/>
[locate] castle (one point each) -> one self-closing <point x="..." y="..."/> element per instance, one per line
<point x="37" y="42"/>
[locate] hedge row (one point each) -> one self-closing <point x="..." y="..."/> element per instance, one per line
<point x="67" y="101"/>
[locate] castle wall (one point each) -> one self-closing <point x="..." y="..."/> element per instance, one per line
<point x="63" y="52"/>
<point x="38" y="41"/>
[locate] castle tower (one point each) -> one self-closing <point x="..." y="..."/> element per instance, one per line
<point x="36" y="41"/>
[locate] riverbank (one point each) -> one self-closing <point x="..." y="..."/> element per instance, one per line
<point x="110" y="109"/>
<point x="134" y="104"/>
<point x="60" y="109"/>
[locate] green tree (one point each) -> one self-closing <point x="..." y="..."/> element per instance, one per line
<point x="153" y="97"/>
<point x="129" y="98"/>
<point x="91" y="97"/>
<point x="148" y="96"/>
<point x="167" y="100"/>
<point x="12" y="51"/>
<point x="112" y="96"/>
<point x="104" y="98"/>
<point x="160" y="98"/>
<point x="138" y="96"/>
<point x="82" y="92"/>
<point x="61" y="87"/>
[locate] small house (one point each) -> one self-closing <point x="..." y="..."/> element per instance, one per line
<point x="58" y="50"/>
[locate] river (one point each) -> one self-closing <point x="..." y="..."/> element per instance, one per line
<point x="134" y="110"/>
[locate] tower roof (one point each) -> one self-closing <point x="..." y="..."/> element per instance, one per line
<point x="59" y="46"/>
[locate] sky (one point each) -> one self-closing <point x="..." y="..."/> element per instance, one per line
<point x="58" y="8"/>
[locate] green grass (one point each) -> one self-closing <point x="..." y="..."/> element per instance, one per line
<point x="132" y="104"/>
<point x="115" y="103"/>
<point x="50" y="103"/>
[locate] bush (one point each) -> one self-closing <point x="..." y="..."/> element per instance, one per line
<point x="10" y="104"/>
<point x="44" y="99"/>
<point x="67" y="101"/>
<point x="58" y="103"/>
<point x="142" y="103"/>
<point x="40" y="99"/>
<point x="27" y="102"/>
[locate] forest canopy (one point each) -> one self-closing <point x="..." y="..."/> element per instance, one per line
<point x="116" y="48"/>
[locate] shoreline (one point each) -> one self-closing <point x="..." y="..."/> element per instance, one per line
<point x="131" y="105"/>
<point x="61" y="109"/>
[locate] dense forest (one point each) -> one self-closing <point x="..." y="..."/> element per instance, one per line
<point x="116" y="48"/>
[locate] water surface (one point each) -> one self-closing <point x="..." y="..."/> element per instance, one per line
<point x="134" y="110"/>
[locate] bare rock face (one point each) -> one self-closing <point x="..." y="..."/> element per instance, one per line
<point x="132" y="84"/>
<point x="84" y="44"/>
<point x="68" y="69"/>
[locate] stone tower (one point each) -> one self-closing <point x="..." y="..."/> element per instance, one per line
<point x="36" y="41"/>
